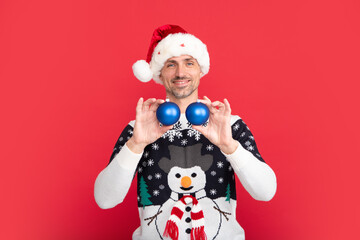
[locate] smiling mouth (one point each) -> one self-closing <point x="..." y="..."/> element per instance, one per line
<point x="187" y="189"/>
<point x="180" y="83"/>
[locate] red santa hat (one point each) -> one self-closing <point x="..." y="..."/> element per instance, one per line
<point x="170" y="41"/>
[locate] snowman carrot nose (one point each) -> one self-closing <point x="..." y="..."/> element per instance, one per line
<point x="186" y="182"/>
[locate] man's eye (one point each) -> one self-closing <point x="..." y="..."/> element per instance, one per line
<point x="170" y="65"/>
<point x="190" y="63"/>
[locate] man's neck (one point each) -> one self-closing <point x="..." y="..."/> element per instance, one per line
<point x="183" y="103"/>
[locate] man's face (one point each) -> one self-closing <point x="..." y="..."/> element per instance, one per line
<point x="181" y="76"/>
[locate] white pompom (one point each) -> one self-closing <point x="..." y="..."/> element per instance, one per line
<point x="142" y="71"/>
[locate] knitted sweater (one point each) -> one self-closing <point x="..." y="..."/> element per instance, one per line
<point x="183" y="162"/>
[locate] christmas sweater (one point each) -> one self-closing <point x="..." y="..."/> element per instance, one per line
<point x="186" y="184"/>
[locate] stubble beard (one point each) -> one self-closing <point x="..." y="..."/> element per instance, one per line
<point x="180" y="94"/>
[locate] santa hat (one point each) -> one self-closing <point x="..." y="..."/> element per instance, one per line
<point x="170" y="41"/>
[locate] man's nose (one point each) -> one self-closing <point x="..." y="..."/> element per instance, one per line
<point x="180" y="71"/>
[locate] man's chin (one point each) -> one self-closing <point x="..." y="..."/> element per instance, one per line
<point x="181" y="95"/>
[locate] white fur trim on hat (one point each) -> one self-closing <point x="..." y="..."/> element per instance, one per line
<point x="142" y="71"/>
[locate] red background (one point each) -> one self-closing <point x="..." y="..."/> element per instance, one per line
<point x="290" y="69"/>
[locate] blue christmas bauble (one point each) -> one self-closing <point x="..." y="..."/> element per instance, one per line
<point x="168" y="113"/>
<point x="197" y="113"/>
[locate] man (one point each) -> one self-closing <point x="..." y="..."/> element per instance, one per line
<point x="186" y="183"/>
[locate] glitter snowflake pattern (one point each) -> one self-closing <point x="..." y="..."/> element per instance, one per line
<point x="149" y="177"/>
<point x="236" y="127"/>
<point x="140" y="169"/>
<point x="220" y="164"/>
<point x="144" y="164"/>
<point x="247" y="143"/>
<point x="157" y="175"/>
<point x="242" y="134"/>
<point x="177" y="126"/>
<point x="213" y="173"/>
<point x="156" y="192"/>
<point x="130" y="132"/>
<point x="251" y="137"/>
<point x="171" y="134"/>
<point x="250" y="148"/>
<point x="258" y="155"/>
<point x="194" y="133"/>
<point x="220" y="180"/>
<point x="204" y="124"/>
<point x="150" y="162"/>
<point x="230" y="168"/>
<point x="155" y="146"/>
<point x="146" y="154"/>
<point x="213" y="191"/>
<point x="161" y="187"/>
<point x="184" y="142"/>
<point x="120" y="139"/>
<point x="127" y="138"/>
<point x="209" y="147"/>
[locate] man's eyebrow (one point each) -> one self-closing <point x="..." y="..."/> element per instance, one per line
<point x="185" y="60"/>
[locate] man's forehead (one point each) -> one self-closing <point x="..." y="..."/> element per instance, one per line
<point x="181" y="58"/>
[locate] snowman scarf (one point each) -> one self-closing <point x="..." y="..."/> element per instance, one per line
<point x="197" y="218"/>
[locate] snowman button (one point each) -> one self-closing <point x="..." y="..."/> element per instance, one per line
<point x="188" y="220"/>
<point x="188" y="209"/>
<point x="188" y="231"/>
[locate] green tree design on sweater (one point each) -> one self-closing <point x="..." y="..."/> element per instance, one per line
<point x="228" y="193"/>
<point x="144" y="195"/>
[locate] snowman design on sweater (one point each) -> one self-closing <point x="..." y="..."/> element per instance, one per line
<point x="186" y="169"/>
<point x="184" y="165"/>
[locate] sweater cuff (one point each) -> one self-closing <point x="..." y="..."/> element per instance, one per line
<point x="128" y="159"/>
<point x="239" y="158"/>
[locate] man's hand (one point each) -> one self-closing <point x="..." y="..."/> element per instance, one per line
<point x="147" y="127"/>
<point x="218" y="130"/>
